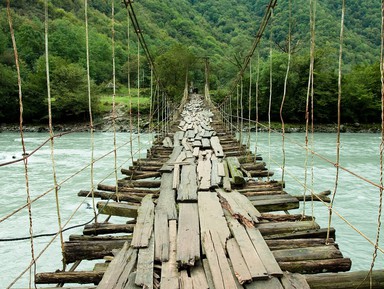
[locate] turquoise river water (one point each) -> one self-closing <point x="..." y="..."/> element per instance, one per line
<point x="356" y="200"/>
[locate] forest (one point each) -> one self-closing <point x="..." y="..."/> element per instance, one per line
<point x="180" y="35"/>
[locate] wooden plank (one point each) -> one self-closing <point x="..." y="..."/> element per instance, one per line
<point x="144" y="223"/>
<point x="293" y="281"/>
<point x="238" y="262"/>
<point x="187" y="146"/>
<point x="231" y="204"/>
<point x="309" y="253"/>
<point x="199" y="280"/>
<point x="117" y="209"/>
<point x="220" y="169"/>
<point x="166" y="200"/>
<point x="252" y="259"/>
<point x="169" y="271"/>
<point x="107" y="228"/>
<point x="205" y="143"/>
<point x="216" y="146"/>
<point x="120" y="268"/>
<point x="226" y="180"/>
<point x="221" y="272"/>
<point x="82" y="277"/>
<point x="177" y="137"/>
<point x="145" y="261"/>
<point x="208" y="274"/>
<point x="272" y="283"/>
<point x="161" y="236"/>
<point x="168" y="166"/>
<point x="185" y="280"/>
<point x="275" y="228"/>
<point x="167" y="142"/>
<point x="188" y="183"/>
<point x="264" y="252"/>
<point x="204" y="171"/>
<point x="211" y="216"/>
<point x="188" y="233"/>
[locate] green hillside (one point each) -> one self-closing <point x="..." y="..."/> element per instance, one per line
<point x="186" y="31"/>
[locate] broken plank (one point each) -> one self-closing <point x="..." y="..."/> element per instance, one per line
<point x="199" y="280"/>
<point x="188" y="182"/>
<point x="238" y="262"/>
<point x="188" y="242"/>
<point x="234" y="169"/>
<point x="216" y="146"/>
<point x="204" y="171"/>
<point x="117" y="209"/>
<point x="166" y="200"/>
<point x="161" y="236"/>
<point x="144" y="223"/>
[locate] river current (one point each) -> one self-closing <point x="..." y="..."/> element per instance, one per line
<point x="356" y="200"/>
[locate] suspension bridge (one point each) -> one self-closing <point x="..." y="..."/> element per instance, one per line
<point x="200" y="210"/>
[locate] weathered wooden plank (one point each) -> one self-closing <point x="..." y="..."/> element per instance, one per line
<point x="216" y="255"/>
<point x="177" y="137"/>
<point x="167" y="142"/>
<point x="168" y="166"/>
<point x="271" y="283"/>
<point x="204" y="170"/>
<point x="226" y="180"/>
<point x="187" y="146"/>
<point x="275" y="228"/>
<point x="120" y="268"/>
<point x="185" y="280"/>
<point x="252" y="259"/>
<point x="215" y="178"/>
<point x="309" y="253"/>
<point x="169" y="271"/>
<point x="238" y="262"/>
<point x="117" y="209"/>
<point x="81" y="277"/>
<point x="199" y="280"/>
<point x="316" y="266"/>
<point x="247" y="205"/>
<point x="188" y="182"/>
<point x="205" y="143"/>
<point x="145" y="261"/>
<point x="144" y="223"/>
<point x="238" y="211"/>
<point x="211" y="216"/>
<point x="107" y="228"/>
<point x="161" y="236"/>
<point x="188" y="233"/>
<point x="294" y="281"/>
<point x="208" y="274"/>
<point x="216" y="146"/>
<point x="264" y="252"/>
<point x="166" y="201"/>
<point x="310" y="233"/>
<point x="298" y="243"/>
<point x="278" y="204"/>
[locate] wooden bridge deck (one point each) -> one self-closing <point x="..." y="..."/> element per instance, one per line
<point x="202" y="217"/>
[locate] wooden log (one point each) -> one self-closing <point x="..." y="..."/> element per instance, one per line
<point x="133" y="191"/>
<point x="145" y="261"/>
<point x="118" y="209"/>
<point x="347" y="280"/>
<point x="169" y="271"/>
<point x="254" y="166"/>
<point x="242" y="272"/>
<point x="261" y="173"/>
<point x="310" y="233"/>
<point x="317" y="266"/>
<point x="298" y="243"/>
<point x="188" y="233"/>
<point x="218" y="264"/>
<point x="254" y="264"/>
<point x="80" y="277"/>
<point x="211" y="216"/>
<point x="166" y="201"/>
<point x="125" y="197"/>
<point x="137" y="184"/>
<point x="276" y="203"/>
<point x="144" y="224"/>
<point x="285" y="218"/>
<point x="309" y="253"/>
<point x="107" y="228"/>
<point x="79" y="238"/>
<point x="139" y="175"/>
<point x="119" y="269"/>
<point x="273" y="228"/>
<point x="323" y="196"/>
<point x="90" y="250"/>
<point x="234" y="169"/>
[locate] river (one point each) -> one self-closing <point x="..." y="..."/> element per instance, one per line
<point x="356" y="200"/>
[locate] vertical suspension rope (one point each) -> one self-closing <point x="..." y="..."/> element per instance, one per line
<point x="25" y="160"/>
<point x="237" y="108"/>
<point x="129" y="86"/>
<point x="270" y="91"/>
<point x="338" y="119"/>
<point x="46" y="19"/>
<point x="241" y="111"/>
<point x="257" y="103"/>
<point x="285" y="93"/>
<point x="90" y="108"/>
<point x="138" y="93"/>
<point x="312" y="5"/>
<point x="114" y="99"/>
<point x="230" y="114"/>
<point x="249" y="106"/>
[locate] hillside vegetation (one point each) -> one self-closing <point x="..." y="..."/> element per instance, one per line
<point x="180" y="34"/>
